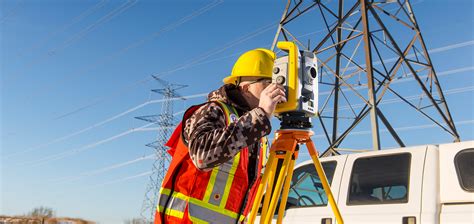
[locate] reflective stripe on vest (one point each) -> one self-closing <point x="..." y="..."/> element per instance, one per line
<point x="201" y="210"/>
<point x="217" y="191"/>
<point x="179" y="205"/>
<point x="263" y="153"/>
<point x="163" y="198"/>
<point x="218" y="188"/>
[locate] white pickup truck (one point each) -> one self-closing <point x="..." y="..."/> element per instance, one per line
<point x="414" y="185"/>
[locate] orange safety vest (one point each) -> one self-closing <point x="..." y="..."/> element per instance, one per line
<point x="222" y="195"/>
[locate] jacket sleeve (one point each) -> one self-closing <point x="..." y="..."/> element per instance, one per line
<point x="212" y="143"/>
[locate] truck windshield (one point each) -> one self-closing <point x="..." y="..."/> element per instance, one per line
<point x="306" y="188"/>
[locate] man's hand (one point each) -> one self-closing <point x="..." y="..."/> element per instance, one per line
<point x="270" y="97"/>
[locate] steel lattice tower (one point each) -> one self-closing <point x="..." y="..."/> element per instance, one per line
<point x="365" y="48"/>
<point x="166" y="122"/>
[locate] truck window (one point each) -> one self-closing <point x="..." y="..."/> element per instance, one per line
<point x="380" y="180"/>
<point x="464" y="163"/>
<point x="306" y="189"/>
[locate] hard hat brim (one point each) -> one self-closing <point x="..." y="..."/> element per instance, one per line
<point x="229" y="80"/>
<point x="233" y="79"/>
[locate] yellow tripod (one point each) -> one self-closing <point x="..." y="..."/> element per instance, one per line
<point x="284" y="148"/>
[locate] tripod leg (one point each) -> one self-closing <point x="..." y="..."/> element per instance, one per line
<point x="279" y="184"/>
<point x="286" y="190"/>
<point x="263" y="182"/>
<point x="324" y="181"/>
<point x="269" y="189"/>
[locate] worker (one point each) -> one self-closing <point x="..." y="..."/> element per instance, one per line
<point x="218" y="148"/>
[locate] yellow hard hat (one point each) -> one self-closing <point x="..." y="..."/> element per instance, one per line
<point x="255" y="63"/>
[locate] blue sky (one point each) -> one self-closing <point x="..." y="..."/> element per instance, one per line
<point x="70" y="68"/>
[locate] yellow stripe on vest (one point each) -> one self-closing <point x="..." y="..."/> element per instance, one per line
<point x="165" y="191"/>
<point x="210" y="184"/>
<point x="264" y="151"/>
<point x="215" y="170"/>
<point x="230" y="180"/>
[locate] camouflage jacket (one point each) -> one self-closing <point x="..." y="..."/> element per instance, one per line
<point x="212" y="143"/>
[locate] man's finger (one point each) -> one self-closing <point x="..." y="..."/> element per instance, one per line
<point x="275" y="92"/>
<point x="271" y="87"/>
<point x="281" y="92"/>
<point x="280" y="99"/>
<point x="280" y="87"/>
<point x="278" y="92"/>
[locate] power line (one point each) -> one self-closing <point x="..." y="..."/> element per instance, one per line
<point x="80" y="149"/>
<point x="409" y="78"/>
<point x="409" y="98"/>
<point x="12" y="11"/>
<point x="108" y="183"/>
<point x="130" y="46"/>
<point x="406" y="128"/>
<point x="218" y="50"/>
<point x="74" y="151"/>
<point x="102" y="170"/>
<point x="119" y="180"/>
<point x="117" y="11"/>
<point x="75" y="20"/>
<point x="74" y="38"/>
<point x="98" y="124"/>
<point x="191" y="63"/>
<point x="100" y="100"/>
<point x="431" y="51"/>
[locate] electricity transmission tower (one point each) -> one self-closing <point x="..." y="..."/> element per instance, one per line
<point x="366" y="49"/>
<point x="165" y="122"/>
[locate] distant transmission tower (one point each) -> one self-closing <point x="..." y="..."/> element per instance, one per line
<point x="165" y="121"/>
<point x="365" y="49"/>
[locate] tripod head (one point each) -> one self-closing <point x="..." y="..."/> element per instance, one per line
<point x="295" y="120"/>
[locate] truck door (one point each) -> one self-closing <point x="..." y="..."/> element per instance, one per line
<point x="307" y="201"/>
<point x="383" y="187"/>
<point x="457" y="182"/>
